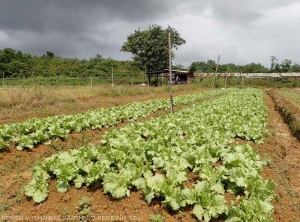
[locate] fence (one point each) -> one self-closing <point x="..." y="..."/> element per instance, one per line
<point x="241" y="82"/>
<point x="72" y="81"/>
<point x="217" y="82"/>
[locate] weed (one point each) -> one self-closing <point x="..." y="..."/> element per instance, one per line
<point x="181" y="214"/>
<point x="84" y="139"/>
<point x="56" y="147"/>
<point x="4" y="207"/>
<point x="157" y="218"/>
<point x="84" y="209"/>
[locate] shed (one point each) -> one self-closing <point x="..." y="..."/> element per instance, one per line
<point x="178" y="76"/>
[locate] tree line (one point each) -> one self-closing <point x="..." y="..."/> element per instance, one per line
<point x="211" y="66"/>
<point x="150" y="52"/>
<point x="15" y="64"/>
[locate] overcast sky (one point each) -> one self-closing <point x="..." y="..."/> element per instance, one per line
<point x="241" y="31"/>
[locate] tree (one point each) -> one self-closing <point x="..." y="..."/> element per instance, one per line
<point x="49" y="54"/>
<point x="208" y="67"/>
<point x="150" y="47"/>
<point x="255" y="68"/>
<point x="17" y="68"/>
<point x="295" y="67"/>
<point x="197" y="67"/>
<point x="275" y="66"/>
<point x="178" y="66"/>
<point x="286" y="65"/>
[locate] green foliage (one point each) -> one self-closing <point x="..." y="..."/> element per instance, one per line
<point x="84" y="209"/>
<point x="35" y="131"/>
<point x="16" y="64"/>
<point x="157" y="218"/>
<point x="3" y="145"/>
<point x="283" y="67"/>
<point x="210" y="67"/>
<point x="179" y="66"/>
<point x="150" y="47"/>
<point x="251" y="210"/>
<point x="150" y="52"/>
<point x="155" y="156"/>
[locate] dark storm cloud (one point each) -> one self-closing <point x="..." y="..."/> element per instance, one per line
<point x="241" y="12"/>
<point x="72" y="16"/>
<point x="74" y="27"/>
<point x="83" y="28"/>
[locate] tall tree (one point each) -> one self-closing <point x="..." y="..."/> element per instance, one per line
<point x="295" y="67"/>
<point x="275" y="66"/>
<point x="286" y="65"/>
<point x="150" y="47"/>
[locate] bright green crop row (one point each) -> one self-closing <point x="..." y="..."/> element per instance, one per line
<point x="34" y="131"/>
<point x="156" y="156"/>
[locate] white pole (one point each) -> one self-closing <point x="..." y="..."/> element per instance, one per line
<point x="170" y="74"/>
<point x="243" y="78"/>
<point x="216" y="72"/>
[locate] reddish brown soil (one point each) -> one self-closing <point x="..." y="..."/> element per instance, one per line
<point x="15" y="171"/>
<point x="284" y="151"/>
<point x="282" y="148"/>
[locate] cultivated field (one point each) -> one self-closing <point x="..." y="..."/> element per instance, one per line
<point x="224" y="155"/>
<point x="20" y="103"/>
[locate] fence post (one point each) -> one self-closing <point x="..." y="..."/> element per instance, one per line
<point x="243" y="82"/>
<point x="170" y="75"/>
<point x="112" y="76"/>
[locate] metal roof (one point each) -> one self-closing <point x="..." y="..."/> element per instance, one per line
<point x="290" y="75"/>
<point x="230" y="75"/>
<point x="167" y="71"/>
<point x="177" y="71"/>
<point x="263" y="75"/>
<point x="204" y="75"/>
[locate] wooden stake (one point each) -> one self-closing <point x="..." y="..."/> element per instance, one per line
<point x="216" y="72"/>
<point x="170" y="74"/>
<point x="112" y="76"/>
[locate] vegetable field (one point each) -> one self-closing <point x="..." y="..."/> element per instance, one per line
<point x="224" y="155"/>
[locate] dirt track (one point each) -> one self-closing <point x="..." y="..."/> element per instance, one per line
<point x="284" y="151"/>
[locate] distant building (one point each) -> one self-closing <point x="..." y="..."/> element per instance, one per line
<point x="249" y="75"/>
<point x="163" y="76"/>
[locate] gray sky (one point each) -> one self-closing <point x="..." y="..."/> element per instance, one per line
<point x="242" y="31"/>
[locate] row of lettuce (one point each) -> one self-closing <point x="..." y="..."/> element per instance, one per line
<point x="35" y="131"/>
<point x="158" y="156"/>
